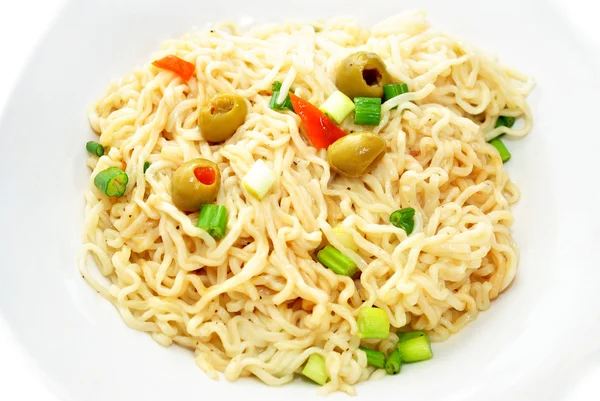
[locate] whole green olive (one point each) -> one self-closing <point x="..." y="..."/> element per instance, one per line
<point x="195" y="183"/>
<point x="355" y="154"/>
<point x="222" y="116"/>
<point x="362" y="74"/>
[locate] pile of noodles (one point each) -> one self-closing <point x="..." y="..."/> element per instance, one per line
<point x="257" y="302"/>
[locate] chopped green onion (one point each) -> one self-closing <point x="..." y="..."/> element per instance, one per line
<point x="374" y="358"/>
<point x="344" y="237"/>
<point x="373" y="323"/>
<point x="368" y="110"/>
<point x="337" y="261"/>
<point x="337" y="107"/>
<point x="146" y="165"/>
<point x="287" y="103"/>
<point x="213" y="219"/>
<point x="505" y="121"/>
<point x="393" y="363"/>
<point x="404" y="336"/>
<point x="112" y="181"/>
<point x="259" y="179"/>
<point x="95" y="148"/>
<point x="499" y="145"/>
<point x="414" y="347"/>
<point x="392" y="90"/>
<point x="315" y="369"/>
<point x="404" y="219"/>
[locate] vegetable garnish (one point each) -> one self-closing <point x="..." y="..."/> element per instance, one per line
<point x="177" y="65"/>
<point x="259" y="179"/>
<point x="112" y="181"/>
<point x="95" y="148"/>
<point x="502" y="121"/>
<point x="392" y="90"/>
<point x="337" y="261"/>
<point x="222" y="116"/>
<point x="414" y="346"/>
<point x="337" y="107"/>
<point x="146" y="165"/>
<point x="319" y="128"/>
<point x="374" y="358"/>
<point x="393" y="363"/>
<point x="356" y="154"/>
<point x="505" y="121"/>
<point x="499" y="145"/>
<point x="315" y="369"/>
<point x="404" y="219"/>
<point x="344" y="237"/>
<point x="188" y="193"/>
<point x="407" y="335"/>
<point x="373" y="323"/>
<point x="287" y="103"/>
<point x="213" y="219"/>
<point x="368" y="110"/>
<point x="205" y="175"/>
<point x="362" y="74"/>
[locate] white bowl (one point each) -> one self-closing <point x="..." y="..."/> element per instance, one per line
<point x="534" y="342"/>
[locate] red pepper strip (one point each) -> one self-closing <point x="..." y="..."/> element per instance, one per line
<point x="321" y="131"/>
<point x="178" y="65"/>
<point x="205" y="175"/>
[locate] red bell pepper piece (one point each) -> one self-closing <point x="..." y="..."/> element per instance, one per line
<point x="205" y="175"/>
<point x="177" y="65"/>
<point x="319" y="128"/>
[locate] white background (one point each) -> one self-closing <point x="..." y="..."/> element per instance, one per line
<point x="22" y="24"/>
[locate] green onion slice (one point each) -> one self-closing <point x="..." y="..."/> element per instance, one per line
<point x="505" y="121"/>
<point x="344" y="237"/>
<point x="95" y="148"/>
<point x="146" y="165"/>
<point x="287" y="103"/>
<point x="336" y="261"/>
<point x="112" y="181"/>
<point x="405" y="336"/>
<point x="414" y="347"/>
<point x="501" y="148"/>
<point x="315" y="369"/>
<point x="337" y="107"/>
<point x="392" y="90"/>
<point x="373" y="323"/>
<point x="393" y="363"/>
<point x="213" y="219"/>
<point x="404" y="219"/>
<point x="259" y="179"/>
<point x="374" y="358"/>
<point x="368" y="110"/>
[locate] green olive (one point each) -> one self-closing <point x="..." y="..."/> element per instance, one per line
<point x="362" y="74"/>
<point x="222" y="116"/>
<point x="355" y="154"/>
<point x="188" y="192"/>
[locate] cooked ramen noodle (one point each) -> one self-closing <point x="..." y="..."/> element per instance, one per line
<point x="277" y="236"/>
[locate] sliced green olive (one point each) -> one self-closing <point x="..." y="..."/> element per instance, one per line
<point x="195" y="183"/>
<point x="355" y="154"/>
<point x="362" y="74"/>
<point x="222" y="116"/>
